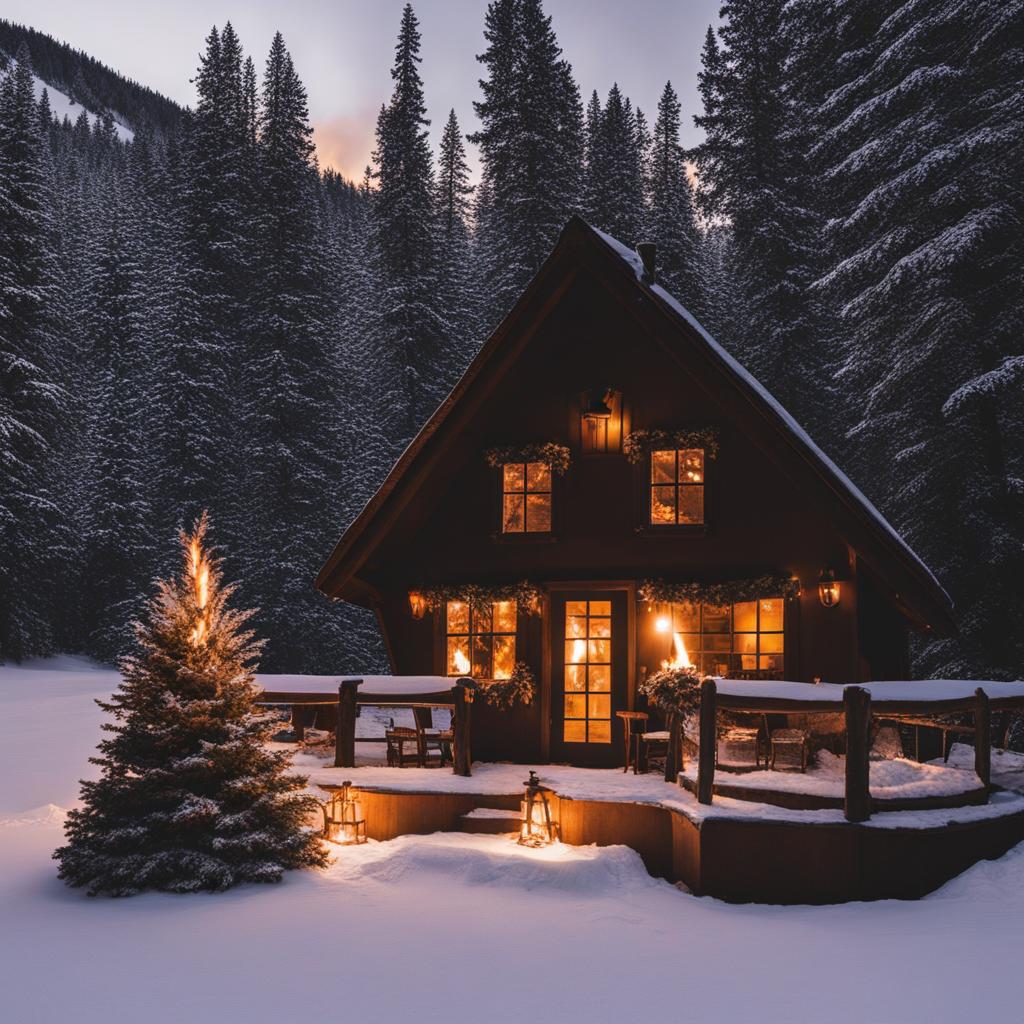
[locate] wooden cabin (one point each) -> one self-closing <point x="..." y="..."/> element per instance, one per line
<point x="607" y="490"/>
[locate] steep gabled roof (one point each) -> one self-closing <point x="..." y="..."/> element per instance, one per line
<point x="887" y="554"/>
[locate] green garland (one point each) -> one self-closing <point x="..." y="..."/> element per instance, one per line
<point x="639" y="442"/>
<point x="519" y="688"/>
<point x="729" y="592"/>
<point x="556" y="456"/>
<point x="479" y="596"/>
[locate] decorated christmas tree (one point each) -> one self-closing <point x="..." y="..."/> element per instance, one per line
<point x="189" y="797"/>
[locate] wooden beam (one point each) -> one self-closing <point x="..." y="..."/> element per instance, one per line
<point x="983" y="737"/>
<point x="673" y="723"/>
<point x="299" y="722"/>
<point x="345" y="732"/>
<point x="708" y="741"/>
<point x="857" y="707"/>
<point x="462" y="755"/>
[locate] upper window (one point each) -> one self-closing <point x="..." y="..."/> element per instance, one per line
<point x="677" y="487"/>
<point x="743" y="637"/>
<point x="526" y="497"/>
<point x="481" y="642"/>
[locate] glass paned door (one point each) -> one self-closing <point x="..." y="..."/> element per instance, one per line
<point x="589" y="661"/>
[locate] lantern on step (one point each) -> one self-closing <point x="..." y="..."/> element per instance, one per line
<point x="538" y="828"/>
<point x="828" y="588"/>
<point x="344" y="822"/>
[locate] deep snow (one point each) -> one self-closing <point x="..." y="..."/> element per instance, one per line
<point x="455" y="928"/>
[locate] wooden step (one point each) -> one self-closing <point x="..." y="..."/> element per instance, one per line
<point x="490" y="821"/>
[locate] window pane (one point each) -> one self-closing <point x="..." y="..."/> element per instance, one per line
<point x="576" y="678"/>
<point x="748" y="662"/>
<point x="745" y="643"/>
<point x="663" y="505"/>
<point x="504" y="656"/>
<point x="715" y="664"/>
<point x="691" y="466"/>
<point x="691" y="505"/>
<point x="771" y="613"/>
<point x="504" y="616"/>
<point x="716" y="620"/>
<point x="691" y="641"/>
<point x="458" y="656"/>
<point x="575" y="732"/>
<point x="745" y="617"/>
<point x="575" y="652"/>
<point x="663" y="467"/>
<point x="513" y="476"/>
<point x="600" y="607"/>
<point x="600" y="650"/>
<point x="538" y="513"/>
<point x="599" y="706"/>
<point x="716" y="642"/>
<point x="575" y="705"/>
<point x="600" y="678"/>
<point x="600" y="627"/>
<point x="538" y="476"/>
<point x="575" y="607"/>
<point x="481" y="619"/>
<point x="771" y="662"/>
<point x="482" y="657"/>
<point x="686" y="617"/>
<point x="458" y="617"/>
<point x="513" y="520"/>
<point x="575" y="625"/>
<point x="600" y="732"/>
<point x="771" y="643"/>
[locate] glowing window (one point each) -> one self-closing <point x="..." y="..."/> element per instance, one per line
<point x="588" y="672"/>
<point x="526" y="497"/>
<point x="481" y="642"/>
<point x="724" y="640"/>
<point x="677" y="487"/>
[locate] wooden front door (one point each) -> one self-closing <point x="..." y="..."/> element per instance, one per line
<point x="589" y="659"/>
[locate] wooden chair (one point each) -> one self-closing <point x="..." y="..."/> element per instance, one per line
<point x="791" y="745"/>
<point x="430" y="739"/>
<point x="633" y="723"/>
<point x="399" y="738"/>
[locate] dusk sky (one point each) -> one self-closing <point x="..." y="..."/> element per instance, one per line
<point x="343" y="51"/>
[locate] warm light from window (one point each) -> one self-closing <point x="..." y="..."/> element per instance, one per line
<point x="663" y="624"/>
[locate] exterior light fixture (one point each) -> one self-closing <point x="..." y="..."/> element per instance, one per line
<point x="828" y="588"/>
<point x="662" y="624"/>
<point x="538" y="828"/>
<point x="597" y="407"/>
<point x="343" y="817"/>
<point x="417" y="604"/>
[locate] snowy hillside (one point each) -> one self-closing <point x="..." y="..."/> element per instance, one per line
<point x="62" y="105"/>
<point x="594" y="927"/>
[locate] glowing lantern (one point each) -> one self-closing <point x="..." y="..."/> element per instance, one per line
<point x="538" y="828"/>
<point x="417" y="604"/>
<point x="663" y="624"/>
<point x="828" y="588"/>
<point x="343" y="817"/>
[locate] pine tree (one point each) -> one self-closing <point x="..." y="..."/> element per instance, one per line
<point x="189" y="798"/>
<point x="670" y="220"/>
<point x="33" y="538"/>
<point x="457" y="284"/>
<point x="531" y="142"/>
<point x="751" y="170"/>
<point x="413" y="330"/>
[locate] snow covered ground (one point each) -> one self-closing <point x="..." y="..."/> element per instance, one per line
<point x="442" y="928"/>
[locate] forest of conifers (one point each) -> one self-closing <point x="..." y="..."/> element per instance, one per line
<point x="203" y="318"/>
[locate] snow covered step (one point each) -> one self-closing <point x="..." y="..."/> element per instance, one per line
<point x="491" y="821"/>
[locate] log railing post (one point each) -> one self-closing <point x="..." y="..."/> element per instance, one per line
<point x="673" y="723"/>
<point x="299" y="722"/>
<point x="345" y="729"/>
<point x="462" y="755"/>
<point x="857" y="709"/>
<point x="983" y="738"/>
<point x="708" y="741"/>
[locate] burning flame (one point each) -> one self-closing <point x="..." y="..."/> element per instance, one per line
<point x="680" y="659"/>
<point x="461" y="662"/>
<point x="201" y="585"/>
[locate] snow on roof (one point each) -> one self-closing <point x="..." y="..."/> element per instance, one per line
<point x="896" y="689"/>
<point x="633" y="259"/>
<point x="385" y="686"/>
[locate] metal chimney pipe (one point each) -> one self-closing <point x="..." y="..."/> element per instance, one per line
<point x="648" y="253"/>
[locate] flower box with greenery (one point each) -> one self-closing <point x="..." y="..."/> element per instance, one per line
<point x="519" y="688"/>
<point x="675" y="691"/>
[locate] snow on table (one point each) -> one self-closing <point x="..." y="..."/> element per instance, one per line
<point x="385" y="686"/>
<point x="887" y="690"/>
